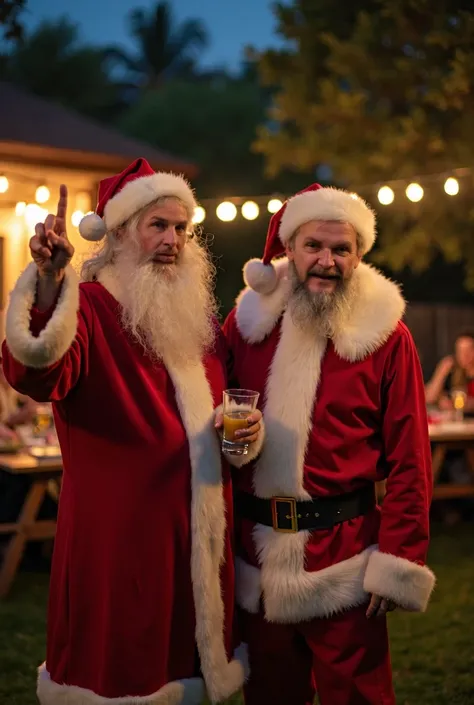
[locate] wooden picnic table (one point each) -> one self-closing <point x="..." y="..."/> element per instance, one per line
<point x="448" y="436"/>
<point x="27" y="527"/>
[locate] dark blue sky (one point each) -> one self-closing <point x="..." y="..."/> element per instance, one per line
<point x="232" y="23"/>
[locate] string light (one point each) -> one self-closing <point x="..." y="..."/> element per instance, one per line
<point x="274" y="205"/>
<point x="4" y="184"/>
<point x="386" y="195"/>
<point x="250" y="210"/>
<point x="451" y="186"/>
<point x="20" y="208"/>
<point x="414" y="192"/>
<point x="34" y="214"/>
<point x="226" y="211"/>
<point x="76" y="218"/>
<point x="42" y="194"/>
<point x="199" y="215"/>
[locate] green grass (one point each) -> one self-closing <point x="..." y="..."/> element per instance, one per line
<point x="433" y="654"/>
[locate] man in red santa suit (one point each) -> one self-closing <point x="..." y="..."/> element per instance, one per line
<point x="142" y="583"/>
<point x="319" y="334"/>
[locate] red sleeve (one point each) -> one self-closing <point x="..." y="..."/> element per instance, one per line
<point x="397" y="570"/>
<point x="229" y="330"/>
<point x="409" y="487"/>
<point x="45" y="353"/>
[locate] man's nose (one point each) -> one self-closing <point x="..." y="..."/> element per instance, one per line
<point x="325" y="258"/>
<point x="170" y="236"/>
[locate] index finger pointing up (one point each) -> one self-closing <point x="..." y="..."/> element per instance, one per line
<point x="60" y="224"/>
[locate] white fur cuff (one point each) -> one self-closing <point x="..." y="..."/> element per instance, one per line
<point x="248" y="586"/>
<point x="408" y="584"/>
<point x="58" y="334"/>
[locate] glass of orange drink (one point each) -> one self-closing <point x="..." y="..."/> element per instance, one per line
<point x="238" y="405"/>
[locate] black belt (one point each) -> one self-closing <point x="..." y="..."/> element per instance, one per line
<point x="288" y="515"/>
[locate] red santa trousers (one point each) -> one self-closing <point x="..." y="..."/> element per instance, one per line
<point x="345" y="656"/>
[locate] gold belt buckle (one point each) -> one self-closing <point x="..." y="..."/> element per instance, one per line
<point x="291" y="514"/>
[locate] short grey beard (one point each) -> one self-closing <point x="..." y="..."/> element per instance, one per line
<point x="168" y="309"/>
<point x="319" y="311"/>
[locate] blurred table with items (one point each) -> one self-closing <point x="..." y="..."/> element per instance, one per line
<point x="451" y="431"/>
<point x="31" y="468"/>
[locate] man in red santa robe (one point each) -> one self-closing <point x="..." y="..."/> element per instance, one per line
<point x="319" y="334"/>
<point x="142" y="584"/>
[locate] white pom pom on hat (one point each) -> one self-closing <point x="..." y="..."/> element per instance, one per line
<point x="123" y="195"/>
<point x="259" y="276"/>
<point x="92" y="227"/>
<point x="313" y="203"/>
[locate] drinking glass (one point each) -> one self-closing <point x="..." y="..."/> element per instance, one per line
<point x="238" y="405"/>
<point x="459" y="402"/>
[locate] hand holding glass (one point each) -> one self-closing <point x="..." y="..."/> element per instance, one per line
<point x="239" y="404"/>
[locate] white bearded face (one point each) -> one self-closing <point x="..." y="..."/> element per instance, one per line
<point x="166" y="290"/>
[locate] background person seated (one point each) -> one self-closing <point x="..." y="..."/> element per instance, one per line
<point x="454" y="372"/>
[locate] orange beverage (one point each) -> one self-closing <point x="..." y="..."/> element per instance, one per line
<point x="234" y="421"/>
<point x="238" y="406"/>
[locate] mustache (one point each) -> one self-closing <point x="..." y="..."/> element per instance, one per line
<point x="324" y="274"/>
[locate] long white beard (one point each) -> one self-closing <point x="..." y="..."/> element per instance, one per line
<point x="320" y="311"/>
<point x="169" y="309"/>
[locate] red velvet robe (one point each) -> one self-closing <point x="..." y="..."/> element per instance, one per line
<point x="143" y="563"/>
<point x="339" y="415"/>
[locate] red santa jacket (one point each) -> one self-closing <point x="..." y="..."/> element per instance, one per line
<point x="339" y="414"/>
<point x="143" y="561"/>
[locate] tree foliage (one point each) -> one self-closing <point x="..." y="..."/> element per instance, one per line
<point x="212" y="122"/>
<point x="53" y="63"/>
<point x="165" y="51"/>
<point x="380" y="90"/>
<point x="10" y="11"/>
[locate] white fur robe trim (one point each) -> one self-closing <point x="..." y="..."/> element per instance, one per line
<point x="55" y="339"/>
<point x="290" y="593"/>
<point x="208" y="521"/>
<point x="186" y="692"/>
<point x="409" y="585"/>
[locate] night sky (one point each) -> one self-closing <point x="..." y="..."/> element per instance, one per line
<point x="232" y="24"/>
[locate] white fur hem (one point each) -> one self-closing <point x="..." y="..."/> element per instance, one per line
<point x="58" y="334"/>
<point x="142" y="191"/>
<point x="408" y="584"/>
<point x="290" y="593"/>
<point x="189" y="691"/>
<point x="329" y="204"/>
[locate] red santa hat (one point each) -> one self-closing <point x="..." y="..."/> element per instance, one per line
<point x="123" y="195"/>
<point x="313" y="203"/>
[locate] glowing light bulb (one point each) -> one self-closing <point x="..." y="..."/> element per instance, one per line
<point x="4" y="184"/>
<point x="20" y="208"/>
<point x="226" y="211"/>
<point x="42" y="194"/>
<point x="250" y="210"/>
<point x="414" y="192"/>
<point x="199" y="215"/>
<point x="274" y="205"/>
<point x="385" y="195"/>
<point x="76" y="218"/>
<point x="451" y="186"/>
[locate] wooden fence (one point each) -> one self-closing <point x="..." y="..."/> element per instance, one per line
<point x="434" y="328"/>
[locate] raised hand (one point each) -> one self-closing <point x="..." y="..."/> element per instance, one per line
<point x="50" y="247"/>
